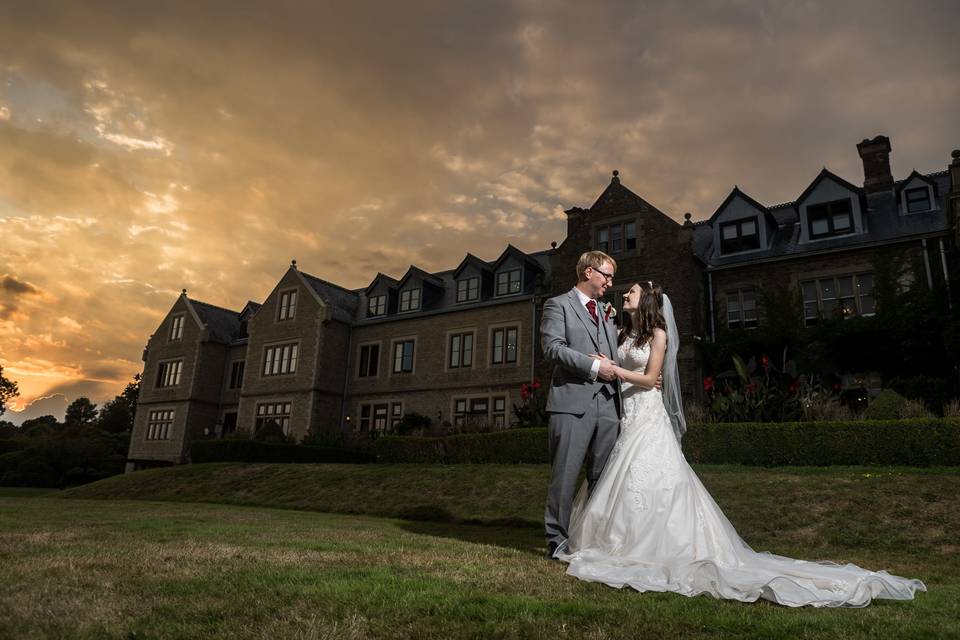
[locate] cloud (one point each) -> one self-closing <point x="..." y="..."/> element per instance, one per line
<point x="10" y="284"/>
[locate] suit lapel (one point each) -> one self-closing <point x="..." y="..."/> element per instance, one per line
<point x="611" y="338"/>
<point x="584" y="315"/>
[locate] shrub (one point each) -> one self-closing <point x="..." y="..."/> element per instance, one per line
<point x="253" y="451"/>
<point x="914" y="409"/>
<point x="932" y="391"/>
<point x="413" y="424"/>
<point x="952" y="409"/>
<point x="271" y="431"/>
<point x="921" y="442"/>
<point x="409" y="449"/>
<point x="886" y="406"/>
<point x="512" y="446"/>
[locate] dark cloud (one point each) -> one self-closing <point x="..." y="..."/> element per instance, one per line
<point x="10" y="284"/>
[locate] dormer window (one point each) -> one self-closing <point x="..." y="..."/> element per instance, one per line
<point x="176" y="327"/>
<point x="410" y="300"/>
<point x="739" y="235"/>
<point x="917" y="200"/>
<point x="508" y="282"/>
<point x="830" y="219"/>
<point x="468" y="289"/>
<point x="288" y="305"/>
<point x="377" y="306"/>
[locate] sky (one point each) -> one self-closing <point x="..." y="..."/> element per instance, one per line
<point x="151" y="147"/>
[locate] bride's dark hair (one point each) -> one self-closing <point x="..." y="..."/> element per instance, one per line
<point x="648" y="315"/>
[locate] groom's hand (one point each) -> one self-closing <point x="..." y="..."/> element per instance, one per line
<point x="608" y="369"/>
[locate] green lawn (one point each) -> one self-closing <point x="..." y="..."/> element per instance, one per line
<point x="123" y="568"/>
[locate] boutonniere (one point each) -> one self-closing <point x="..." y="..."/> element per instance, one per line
<point x="609" y="312"/>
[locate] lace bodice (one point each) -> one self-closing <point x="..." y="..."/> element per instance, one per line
<point x="633" y="357"/>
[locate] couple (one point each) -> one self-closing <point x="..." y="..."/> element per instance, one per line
<point x="643" y="519"/>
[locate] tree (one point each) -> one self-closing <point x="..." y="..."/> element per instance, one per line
<point x="117" y="415"/>
<point x="80" y="413"/>
<point x="8" y="390"/>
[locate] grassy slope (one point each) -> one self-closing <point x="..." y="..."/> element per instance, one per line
<point x="106" y="568"/>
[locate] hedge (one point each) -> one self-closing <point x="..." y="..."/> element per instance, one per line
<point x="918" y="442"/>
<point x="252" y="451"/>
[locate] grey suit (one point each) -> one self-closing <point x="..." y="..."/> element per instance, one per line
<point x="584" y="413"/>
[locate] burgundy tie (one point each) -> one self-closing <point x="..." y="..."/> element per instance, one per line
<point x="592" y="308"/>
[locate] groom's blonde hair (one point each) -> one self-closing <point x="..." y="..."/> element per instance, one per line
<point x="593" y="259"/>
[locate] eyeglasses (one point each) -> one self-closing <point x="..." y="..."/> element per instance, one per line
<point x="607" y="276"/>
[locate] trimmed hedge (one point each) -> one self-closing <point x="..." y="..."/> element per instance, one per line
<point x="252" y="451"/>
<point x="919" y="442"/>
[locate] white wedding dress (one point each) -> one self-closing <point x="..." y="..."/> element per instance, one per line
<point x="651" y="525"/>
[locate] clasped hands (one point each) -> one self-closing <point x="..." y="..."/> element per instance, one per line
<point x="610" y="371"/>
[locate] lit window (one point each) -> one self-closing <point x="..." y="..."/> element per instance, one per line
<point x="278" y="412"/>
<point x="160" y="424"/>
<point x="176" y="327"/>
<point x="280" y="359"/>
<point x="168" y="374"/>
<point x="499" y="412"/>
<point x="288" y="305"/>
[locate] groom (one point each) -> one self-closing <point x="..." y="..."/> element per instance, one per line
<point x="584" y="399"/>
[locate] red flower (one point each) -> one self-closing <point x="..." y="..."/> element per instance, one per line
<point x="765" y="361"/>
<point x="536" y="384"/>
<point x="525" y="391"/>
<point x="708" y="383"/>
<point x="752" y="386"/>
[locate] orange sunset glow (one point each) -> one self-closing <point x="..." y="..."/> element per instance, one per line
<point x="150" y="147"/>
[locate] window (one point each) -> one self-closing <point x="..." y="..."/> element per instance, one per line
<point x="459" y="412"/>
<point x="468" y="289"/>
<point x="508" y="282"/>
<point x="403" y="356"/>
<point x="837" y="296"/>
<point x="499" y="412"/>
<point x="917" y="199"/>
<point x="168" y="374"/>
<point x="740" y="235"/>
<point x="742" y="309"/>
<point x="377" y="306"/>
<point x="380" y="417"/>
<point x="461" y="351"/>
<point x="280" y="359"/>
<point x="830" y="219"/>
<point x="160" y="424"/>
<point x="278" y="412"/>
<point x="176" y="327"/>
<point x="229" y="423"/>
<point x="236" y="374"/>
<point x="410" y="300"/>
<point x="396" y="414"/>
<point x="369" y="361"/>
<point x="504" y="345"/>
<point x="617" y="238"/>
<point x="365" y="417"/>
<point x="288" y="305"/>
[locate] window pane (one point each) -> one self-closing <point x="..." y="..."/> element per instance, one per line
<point x="866" y="305"/>
<point x="454" y="351"/>
<point x="819" y="227"/>
<point x="728" y="231"/>
<point x="841" y="222"/>
<point x="511" y="345"/>
<point x="809" y="291"/>
<point x="827" y="289"/>
<point x="733" y="302"/>
<point x="845" y="285"/>
<point x="498" y="346"/>
<point x="748" y="227"/>
<point x="466" y="358"/>
<point x="865" y="283"/>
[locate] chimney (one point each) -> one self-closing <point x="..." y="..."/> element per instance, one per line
<point x="876" y="164"/>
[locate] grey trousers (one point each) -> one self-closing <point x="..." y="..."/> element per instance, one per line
<point x="573" y="440"/>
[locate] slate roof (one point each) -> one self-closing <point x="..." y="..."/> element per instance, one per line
<point x="222" y="324"/>
<point x="344" y="301"/>
<point x="883" y="224"/>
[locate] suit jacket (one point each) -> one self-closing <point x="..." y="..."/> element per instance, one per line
<point x="567" y="335"/>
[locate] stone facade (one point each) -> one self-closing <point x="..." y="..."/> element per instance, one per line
<point x="455" y="346"/>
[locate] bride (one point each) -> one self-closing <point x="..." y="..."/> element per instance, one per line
<point x="650" y="524"/>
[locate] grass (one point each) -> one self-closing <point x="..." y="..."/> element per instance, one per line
<point x="125" y="568"/>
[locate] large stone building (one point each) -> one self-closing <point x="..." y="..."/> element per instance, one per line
<point x="455" y="346"/>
